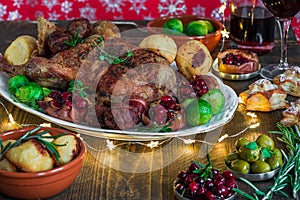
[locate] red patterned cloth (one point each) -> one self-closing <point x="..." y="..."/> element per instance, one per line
<point x="113" y="9"/>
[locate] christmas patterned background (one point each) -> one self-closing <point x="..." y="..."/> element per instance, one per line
<point x="113" y="9"/>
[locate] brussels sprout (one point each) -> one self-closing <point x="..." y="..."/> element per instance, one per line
<point x="173" y="26"/>
<point x="265" y="141"/>
<point x="210" y="27"/>
<point x="260" y="167"/>
<point x="199" y="112"/>
<point x="15" y="82"/>
<point x="240" y="166"/>
<point x="196" y="28"/>
<point x="30" y="94"/>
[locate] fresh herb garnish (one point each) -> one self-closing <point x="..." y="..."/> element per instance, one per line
<point x="251" y="145"/>
<point x="111" y="59"/>
<point x="74" y="40"/>
<point x="77" y="85"/>
<point x="114" y="59"/>
<point x="40" y="136"/>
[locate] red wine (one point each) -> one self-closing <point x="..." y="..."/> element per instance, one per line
<point x="283" y="8"/>
<point x="250" y="28"/>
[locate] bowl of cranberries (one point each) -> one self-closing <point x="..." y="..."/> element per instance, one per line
<point x="204" y="182"/>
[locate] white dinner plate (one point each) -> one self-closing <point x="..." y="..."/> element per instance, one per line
<point x="219" y="120"/>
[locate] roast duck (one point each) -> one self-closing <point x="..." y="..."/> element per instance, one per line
<point x="118" y="91"/>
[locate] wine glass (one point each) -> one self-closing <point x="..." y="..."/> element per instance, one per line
<point x="284" y="11"/>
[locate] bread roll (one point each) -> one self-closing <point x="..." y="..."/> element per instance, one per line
<point x="160" y="44"/>
<point x="193" y="58"/>
<point x="21" y="50"/>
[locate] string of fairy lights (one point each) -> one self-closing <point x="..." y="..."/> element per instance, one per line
<point x="12" y="124"/>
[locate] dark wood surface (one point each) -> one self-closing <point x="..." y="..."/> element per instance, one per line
<point x="134" y="171"/>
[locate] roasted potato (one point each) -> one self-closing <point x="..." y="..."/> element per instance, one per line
<point x="193" y="58"/>
<point x="7" y="166"/>
<point x="30" y="156"/>
<point x="160" y="44"/>
<point x="67" y="152"/>
<point x="106" y="29"/>
<point x="21" y="50"/>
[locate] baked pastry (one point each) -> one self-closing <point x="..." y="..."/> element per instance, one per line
<point x="193" y="58"/>
<point x="289" y="81"/>
<point x="263" y="96"/>
<point x="291" y="115"/>
<point x="236" y="61"/>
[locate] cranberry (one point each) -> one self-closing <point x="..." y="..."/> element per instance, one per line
<point x="232" y="59"/>
<point x="56" y="96"/>
<point x="218" y="180"/>
<point x="223" y="190"/>
<point x="215" y="171"/>
<point x="230" y="184"/>
<point x="168" y="102"/>
<point x="182" y="174"/>
<point x="66" y="96"/>
<point x="180" y="188"/>
<point x="193" y="187"/>
<point x="228" y="175"/>
<point x="200" y="180"/>
<point x="190" y="178"/>
<point x="199" y="85"/>
<point x="209" y="183"/>
<point x="209" y="195"/>
<point x="201" y="190"/>
<point x="192" y="167"/>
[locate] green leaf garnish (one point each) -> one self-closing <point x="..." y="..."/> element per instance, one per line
<point x="73" y="41"/>
<point x="251" y="145"/>
<point x="266" y="153"/>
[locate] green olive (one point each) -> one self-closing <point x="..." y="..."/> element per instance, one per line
<point x="261" y="157"/>
<point x="260" y="167"/>
<point x="265" y="141"/>
<point x="231" y="157"/>
<point x="276" y="152"/>
<point x="275" y="162"/>
<point x="240" y="166"/>
<point x="249" y="155"/>
<point x="241" y="142"/>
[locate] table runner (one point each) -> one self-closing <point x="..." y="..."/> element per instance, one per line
<point x="114" y="9"/>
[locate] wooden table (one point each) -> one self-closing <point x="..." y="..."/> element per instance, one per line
<point x="134" y="171"/>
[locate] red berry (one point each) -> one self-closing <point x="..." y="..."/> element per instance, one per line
<point x="179" y="188"/>
<point x="182" y="174"/>
<point x="66" y="96"/>
<point x="228" y="175"/>
<point x="209" y="195"/>
<point x="193" y="186"/>
<point x="190" y="178"/>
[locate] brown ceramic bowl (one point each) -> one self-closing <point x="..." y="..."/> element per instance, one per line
<point x="210" y="40"/>
<point x="39" y="185"/>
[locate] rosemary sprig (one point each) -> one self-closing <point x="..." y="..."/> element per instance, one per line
<point x="74" y="40"/>
<point x="111" y="59"/>
<point x="292" y="140"/>
<point x="51" y="147"/>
